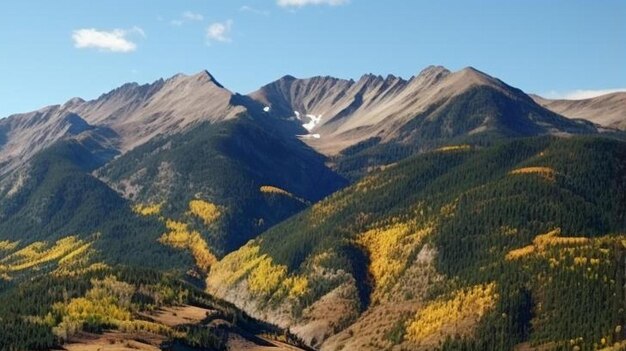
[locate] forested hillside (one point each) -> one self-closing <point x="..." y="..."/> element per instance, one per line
<point x="448" y="211"/>
<point x="464" y="247"/>
<point x="137" y="306"/>
<point x="58" y="197"/>
<point x="233" y="166"/>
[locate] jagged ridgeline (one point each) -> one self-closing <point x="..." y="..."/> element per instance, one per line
<point x="463" y="247"/>
<point x="467" y="226"/>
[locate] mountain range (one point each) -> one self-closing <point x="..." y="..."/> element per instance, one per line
<point x="445" y="211"/>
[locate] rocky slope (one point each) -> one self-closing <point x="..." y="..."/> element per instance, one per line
<point x="122" y="118"/>
<point x="608" y="110"/>
<point x="341" y="113"/>
<point x="24" y="135"/>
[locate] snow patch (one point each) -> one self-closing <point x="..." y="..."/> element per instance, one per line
<point x="309" y="136"/>
<point x="313" y="121"/>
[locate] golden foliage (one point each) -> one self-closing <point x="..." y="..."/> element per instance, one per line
<point x="235" y="266"/>
<point x="545" y="172"/>
<point x="262" y="275"/>
<point x="543" y="241"/>
<point x="268" y="189"/>
<point x="299" y="286"/>
<point x="389" y="249"/>
<point x="448" y="316"/>
<point x="519" y="253"/>
<point x="40" y="252"/>
<point x="272" y="190"/>
<point x="208" y="212"/>
<point x="451" y="148"/>
<point x="6" y="245"/>
<point x="107" y="303"/>
<point x="180" y="237"/>
<point x="148" y="209"/>
<point x="266" y="277"/>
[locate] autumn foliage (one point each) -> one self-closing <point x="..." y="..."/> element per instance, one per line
<point x="208" y="212"/>
<point x="181" y="237"/>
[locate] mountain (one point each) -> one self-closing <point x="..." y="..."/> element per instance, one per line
<point x="376" y="120"/>
<point x="23" y="135"/>
<point x="58" y="197"/>
<point x="254" y="177"/>
<point x="120" y="119"/>
<point x="459" y="248"/>
<point x="608" y="110"/>
<point x="119" y="213"/>
<point x="174" y="183"/>
<point x="137" y="113"/>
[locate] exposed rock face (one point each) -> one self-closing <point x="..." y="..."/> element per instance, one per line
<point x="348" y="112"/>
<point x="23" y="135"/>
<point x="122" y="118"/>
<point x="139" y="112"/>
<point x="331" y="114"/>
<point x="608" y="110"/>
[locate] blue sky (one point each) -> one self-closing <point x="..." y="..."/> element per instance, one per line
<point x="51" y="51"/>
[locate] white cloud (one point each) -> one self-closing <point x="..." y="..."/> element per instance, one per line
<point x="246" y="8"/>
<point x="187" y="16"/>
<point x="302" y="3"/>
<point x="115" y="40"/>
<point x="581" y="94"/>
<point x="192" y="16"/>
<point x="219" y="31"/>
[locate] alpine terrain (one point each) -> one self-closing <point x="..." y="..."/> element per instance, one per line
<point x="446" y="211"/>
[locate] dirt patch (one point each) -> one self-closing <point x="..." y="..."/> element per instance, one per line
<point x="179" y="315"/>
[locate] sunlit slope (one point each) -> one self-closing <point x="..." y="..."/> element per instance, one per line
<point x="391" y="259"/>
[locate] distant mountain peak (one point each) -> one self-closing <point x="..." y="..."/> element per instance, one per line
<point x="201" y="77"/>
<point x="287" y="77"/>
<point x="73" y="102"/>
<point x="432" y="74"/>
<point x="210" y="77"/>
<point x="434" y="70"/>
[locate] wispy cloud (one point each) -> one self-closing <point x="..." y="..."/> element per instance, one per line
<point x="115" y="40"/>
<point x="192" y="16"/>
<point x="581" y="94"/>
<point x="302" y="3"/>
<point x="187" y="16"/>
<point x="219" y="31"/>
<point x="250" y="9"/>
